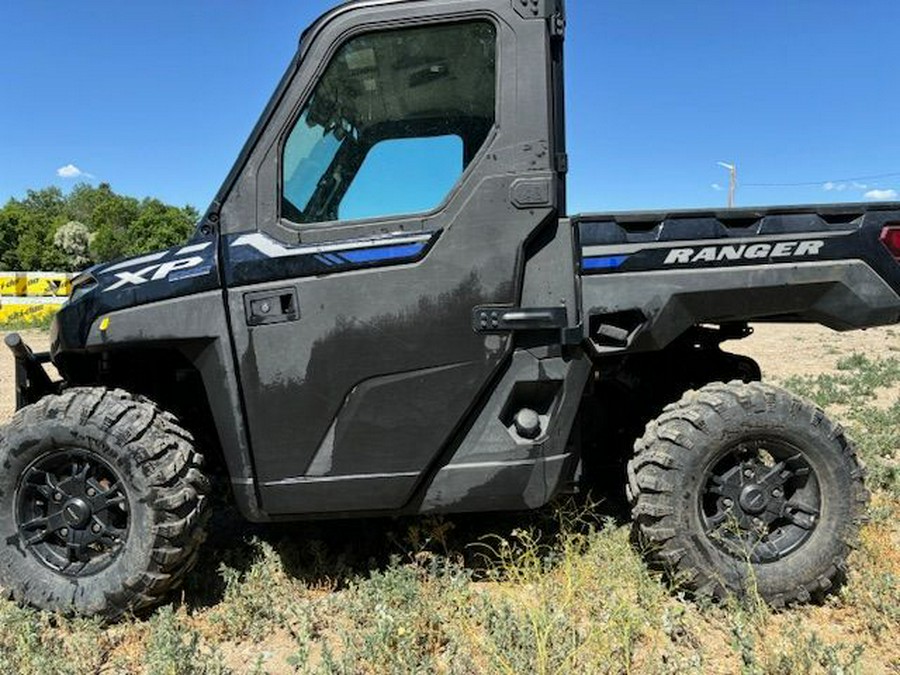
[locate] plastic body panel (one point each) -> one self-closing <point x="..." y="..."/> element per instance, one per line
<point x="121" y="284"/>
<point x="673" y="270"/>
<point x="494" y="467"/>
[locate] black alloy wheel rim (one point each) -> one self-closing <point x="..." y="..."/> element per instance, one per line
<point x="72" y="512"/>
<point x="760" y="500"/>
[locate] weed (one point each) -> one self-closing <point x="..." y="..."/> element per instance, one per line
<point x="874" y="584"/>
<point x="34" y="642"/>
<point x="857" y="379"/>
<point x="304" y="631"/>
<point x="404" y="619"/>
<point x="877" y="435"/>
<point x="173" y="648"/>
<point x="255" y="600"/>
<point x="874" y="428"/>
<point x="583" y="602"/>
<point x="802" y="651"/>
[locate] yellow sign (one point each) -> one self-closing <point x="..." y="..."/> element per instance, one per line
<point x="44" y="284"/>
<point x="13" y="283"/>
<point x="32" y="297"/>
<point x="28" y="310"/>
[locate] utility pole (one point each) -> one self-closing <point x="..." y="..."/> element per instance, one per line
<point x="732" y="181"/>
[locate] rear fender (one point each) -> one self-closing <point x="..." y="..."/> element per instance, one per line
<point x="661" y="305"/>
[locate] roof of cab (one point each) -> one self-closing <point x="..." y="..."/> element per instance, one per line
<point x="339" y="9"/>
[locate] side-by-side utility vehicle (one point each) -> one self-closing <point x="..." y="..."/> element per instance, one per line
<point x="386" y="310"/>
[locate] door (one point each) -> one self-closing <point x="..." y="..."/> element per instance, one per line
<point x="397" y="211"/>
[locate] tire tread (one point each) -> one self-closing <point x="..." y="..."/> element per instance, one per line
<point x="165" y="453"/>
<point x="655" y="475"/>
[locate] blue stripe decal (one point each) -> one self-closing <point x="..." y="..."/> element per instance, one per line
<point x="190" y="273"/>
<point x="366" y="255"/>
<point x="603" y="262"/>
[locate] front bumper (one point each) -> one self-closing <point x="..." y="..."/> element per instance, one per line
<point x="32" y="382"/>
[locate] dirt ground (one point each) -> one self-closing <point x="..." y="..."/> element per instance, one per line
<point x="39" y="341"/>
<point x="781" y="350"/>
<point x="787" y="350"/>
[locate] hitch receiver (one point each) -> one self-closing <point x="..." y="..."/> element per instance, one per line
<point x="32" y="381"/>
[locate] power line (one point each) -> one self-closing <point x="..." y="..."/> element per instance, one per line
<point x="821" y="182"/>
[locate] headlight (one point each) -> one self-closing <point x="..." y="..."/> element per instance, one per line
<point x="81" y="285"/>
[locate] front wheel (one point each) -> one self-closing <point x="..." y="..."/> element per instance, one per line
<point x="745" y="485"/>
<point x="102" y="503"/>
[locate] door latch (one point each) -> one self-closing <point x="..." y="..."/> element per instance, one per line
<point x="265" y="307"/>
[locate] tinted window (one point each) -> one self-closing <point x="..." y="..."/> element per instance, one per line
<point x="392" y="124"/>
<point x="403" y="175"/>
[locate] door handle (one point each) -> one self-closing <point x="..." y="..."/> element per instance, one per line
<point x="276" y="306"/>
<point x="494" y="319"/>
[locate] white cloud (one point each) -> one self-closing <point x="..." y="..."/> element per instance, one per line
<point x="831" y="186"/>
<point x="881" y="195"/>
<point x="717" y="187"/>
<point x="72" y="171"/>
<point x="860" y="186"/>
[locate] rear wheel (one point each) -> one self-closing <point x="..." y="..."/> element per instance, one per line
<point x="745" y="485"/>
<point x="102" y="503"/>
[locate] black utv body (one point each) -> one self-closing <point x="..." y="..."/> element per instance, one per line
<point x="386" y="310"/>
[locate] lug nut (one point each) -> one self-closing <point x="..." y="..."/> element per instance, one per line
<point x="64" y="531"/>
<point x="57" y="496"/>
<point x="776" y="492"/>
<point x="748" y="473"/>
<point x="95" y="528"/>
<point x="91" y="492"/>
<point x="727" y="503"/>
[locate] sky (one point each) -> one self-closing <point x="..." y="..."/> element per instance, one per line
<point x="157" y="98"/>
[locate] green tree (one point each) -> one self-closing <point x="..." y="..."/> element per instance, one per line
<point x="74" y="239"/>
<point x="110" y="222"/>
<point x="160" y="226"/>
<point x="84" y="199"/>
<point x="50" y="230"/>
<point x="9" y="235"/>
<point x="39" y="214"/>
